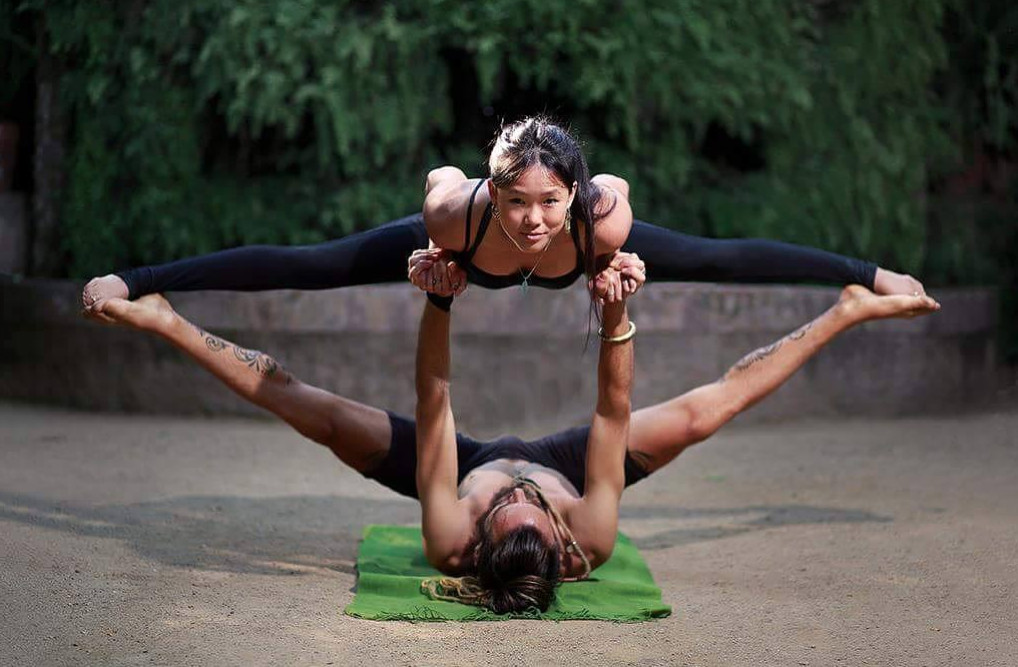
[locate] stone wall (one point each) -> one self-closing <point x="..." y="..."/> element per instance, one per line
<point x="13" y="233"/>
<point x="519" y="362"/>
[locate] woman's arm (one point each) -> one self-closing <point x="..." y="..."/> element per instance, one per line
<point x="617" y="183"/>
<point x="446" y="193"/>
<point x="611" y="231"/>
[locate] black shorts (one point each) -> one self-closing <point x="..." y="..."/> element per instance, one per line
<point x="565" y="451"/>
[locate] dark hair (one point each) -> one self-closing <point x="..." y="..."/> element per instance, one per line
<point x="513" y="574"/>
<point x="538" y="140"/>
<point x="518" y="572"/>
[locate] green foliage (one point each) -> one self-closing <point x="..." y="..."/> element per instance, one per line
<point x="980" y="84"/>
<point x="842" y="125"/>
<point x="201" y="125"/>
<point x="17" y="56"/>
<point x="322" y="106"/>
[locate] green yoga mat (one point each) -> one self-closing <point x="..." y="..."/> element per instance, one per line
<point x="391" y="565"/>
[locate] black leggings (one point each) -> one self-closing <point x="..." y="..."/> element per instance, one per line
<point x="380" y="256"/>
<point x="565" y="451"/>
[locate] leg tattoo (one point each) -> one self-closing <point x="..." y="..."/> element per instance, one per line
<point x="764" y="352"/>
<point x="257" y="361"/>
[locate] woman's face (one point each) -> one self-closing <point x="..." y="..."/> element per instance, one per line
<point x="533" y="210"/>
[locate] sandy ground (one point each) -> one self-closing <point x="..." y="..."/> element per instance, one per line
<point x="151" y="540"/>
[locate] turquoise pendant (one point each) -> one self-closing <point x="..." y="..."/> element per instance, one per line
<point x="524" y="285"/>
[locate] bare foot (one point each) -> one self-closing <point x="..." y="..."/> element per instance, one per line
<point x="865" y="305"/>
<point x="97" y="291"/>
<point x="151" y="312"/>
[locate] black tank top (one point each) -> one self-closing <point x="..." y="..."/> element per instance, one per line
<point x="495" y="281"/>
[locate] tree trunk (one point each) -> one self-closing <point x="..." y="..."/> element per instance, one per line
<point x="47" y="256"/>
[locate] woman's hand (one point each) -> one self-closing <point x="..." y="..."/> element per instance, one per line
<point x="97" y="292"/>
<point x="432" y="270"/>
<point x="632" y="270"/>
<point x="888" y="282"/>
<point x="623" y="276"/>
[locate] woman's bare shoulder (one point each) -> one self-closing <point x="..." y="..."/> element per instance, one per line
<point x="612" y="230"/>
<point x="445" y="212"/>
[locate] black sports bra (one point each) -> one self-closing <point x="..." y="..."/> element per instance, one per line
<point x="496" y="281"/>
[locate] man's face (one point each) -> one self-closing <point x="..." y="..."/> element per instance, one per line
<point x="517" y="506"/>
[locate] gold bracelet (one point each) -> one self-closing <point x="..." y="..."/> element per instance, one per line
<point x="622" y="338"/>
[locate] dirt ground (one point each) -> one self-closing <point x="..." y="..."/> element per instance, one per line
<point x="131" y="540"/>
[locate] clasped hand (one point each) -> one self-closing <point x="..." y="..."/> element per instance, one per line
<point x="621" y="278"/>
<point x="433" y="270"/>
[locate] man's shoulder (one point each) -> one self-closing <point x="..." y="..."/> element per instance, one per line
<point x="593" y="526"/>
<point x="448" y="539"/>
<point x="454" y="564"/>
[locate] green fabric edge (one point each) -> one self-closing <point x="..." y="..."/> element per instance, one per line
<point x="391" y="565"/>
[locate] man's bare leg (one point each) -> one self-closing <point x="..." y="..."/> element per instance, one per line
<point x="661" y="432"/>
<point x="358" y="434"/>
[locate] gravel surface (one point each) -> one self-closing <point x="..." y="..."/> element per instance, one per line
<point x="131" y="540"/>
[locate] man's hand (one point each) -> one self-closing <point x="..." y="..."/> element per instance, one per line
<point x="433" y="270"/>
<point x="889" y="282"/>
<point x="621" y="278"/>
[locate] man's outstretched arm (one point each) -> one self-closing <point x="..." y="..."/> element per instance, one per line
<point x="659" y="433"/>
<point x="594" y="520"/>
<point x="444" y="522"/>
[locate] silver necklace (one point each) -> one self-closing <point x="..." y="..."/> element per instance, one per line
<point x="526" y="276"/>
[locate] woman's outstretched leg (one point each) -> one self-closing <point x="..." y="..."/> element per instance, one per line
<point x="358" y="434"/>
<point x="673" y="256"/>
<point x="661" y="432"/>
<point x="375" y="256"/>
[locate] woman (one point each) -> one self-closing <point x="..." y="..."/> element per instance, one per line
<point x="507" y="520"/>
<point x="530" y="224"/>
